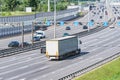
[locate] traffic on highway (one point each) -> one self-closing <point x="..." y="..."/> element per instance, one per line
<point x="61" y="48"/>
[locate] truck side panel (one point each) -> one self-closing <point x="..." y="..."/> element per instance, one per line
<point x="68" y="45"/>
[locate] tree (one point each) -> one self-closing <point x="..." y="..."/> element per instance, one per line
<point x="11" y="4"/>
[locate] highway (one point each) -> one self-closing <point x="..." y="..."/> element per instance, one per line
<point x="33" y="65"/>
<point x="59" y="30"/>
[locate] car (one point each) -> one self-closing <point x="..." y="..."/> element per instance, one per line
<point x="68" y="28"/>
<point x="85" y="27"/>
<point x="24" y="44"/>
<point x="66" y="34"/>
<point x="94" y="12"/>
<point x="41" y="27"/>
<point x="92" y="20"/>
<point x="43" y="49"/>
<point x="118" y="17"/>
<point x="111" y="27"/>
<point x="13" y="44"/>
<point x="80" y="23"/>
<point x="40" y="34"/>
<point x="100" y="17"/>
<point x="36" y="38"/>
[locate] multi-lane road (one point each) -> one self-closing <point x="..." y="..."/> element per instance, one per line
<point x="33" y="65"/>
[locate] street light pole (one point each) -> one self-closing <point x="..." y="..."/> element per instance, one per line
<point x="22" y="34"/>
<point x="54" y="18"/>
<point x="48" y="5"/>
<point x="88" y="16"/>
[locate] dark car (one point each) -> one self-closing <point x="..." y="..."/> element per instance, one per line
<point x="13" y="44"/>
<point x="92" y="20"/>
<point x="24" y="44"/>
<point x="118" y="17"/>
<point x="43" y="49"/>
<point x="36" y="38"/>
<point x="100" y="17"/>
<point x="68" y="28"/>
<point x="66" y="34"/>
<point x="85" y="27"/>
<point x="80" y="23"/>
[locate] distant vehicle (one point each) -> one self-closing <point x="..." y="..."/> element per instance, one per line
<point x="106" y="13"/>
<point x="35" y="38"/>
<point x="66" y="34"/>
<point x="118" y="17"/>
<point x="13" y="44"/>
<point x="40" y="34"/>
<point x="100" y="17"/>
<point x="62" y="47"/>
<point x="85" y="27"/>
<point x="80" y="23"/>
<point x="41" y="27"/>
<point x="24" y="44"/>
<point x="43" y="49"/>
<point x="92" y="20"/>
<point x="111" y="27"/>
<point x="68" y="28"/>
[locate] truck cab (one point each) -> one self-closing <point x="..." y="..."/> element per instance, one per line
<point x="40" y="34"/>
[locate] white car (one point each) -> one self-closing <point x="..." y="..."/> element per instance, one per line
<point x="40" y="34"/>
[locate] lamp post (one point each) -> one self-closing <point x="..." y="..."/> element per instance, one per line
<point x="88" y="16"/>
<point x="54" y="18"/>
<point x="48" y="5"/>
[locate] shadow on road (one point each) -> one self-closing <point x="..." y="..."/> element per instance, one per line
<point x="75" y="56"/>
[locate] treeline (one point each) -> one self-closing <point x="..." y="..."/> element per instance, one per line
<point x="37" y="5"/>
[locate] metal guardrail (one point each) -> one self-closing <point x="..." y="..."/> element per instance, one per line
<point x="17" y="50"/>
<point x="93" y="66"/>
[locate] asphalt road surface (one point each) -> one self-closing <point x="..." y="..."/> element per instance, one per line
<point x="36" y="66"/>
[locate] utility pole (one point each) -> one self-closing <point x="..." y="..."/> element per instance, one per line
<point x="54" y="18"/>
<point x="22" y="34"/>
<point x="88" y="16"/>
<point x="48" y="5"/>
<point x="33" y="24"/>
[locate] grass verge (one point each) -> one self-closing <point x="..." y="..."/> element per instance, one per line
<point x="109" y="71"/>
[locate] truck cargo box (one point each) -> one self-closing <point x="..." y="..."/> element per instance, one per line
<point x="60" y="48"/>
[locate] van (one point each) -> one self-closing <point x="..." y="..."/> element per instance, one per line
<point x="40" y="34"/>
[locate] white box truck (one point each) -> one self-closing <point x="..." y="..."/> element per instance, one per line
<point x="60" y="48"/>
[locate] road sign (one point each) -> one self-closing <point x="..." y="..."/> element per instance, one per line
<point x="61" y="23"/>
<point x="105" y="24"/>
<point x="75" y="23"/>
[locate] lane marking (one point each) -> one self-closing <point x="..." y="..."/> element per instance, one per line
<point x="10" y="71"/>
<point x="30" y="72"/>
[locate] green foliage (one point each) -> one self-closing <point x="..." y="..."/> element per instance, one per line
<point x="37" y="5"/>
<point x="110" y="71"/>
<point x="6" y="14"/>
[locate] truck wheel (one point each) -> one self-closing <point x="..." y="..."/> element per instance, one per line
<point x="78" y="51"/>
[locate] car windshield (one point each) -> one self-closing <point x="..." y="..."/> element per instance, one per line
<point x="39" y="33"/>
